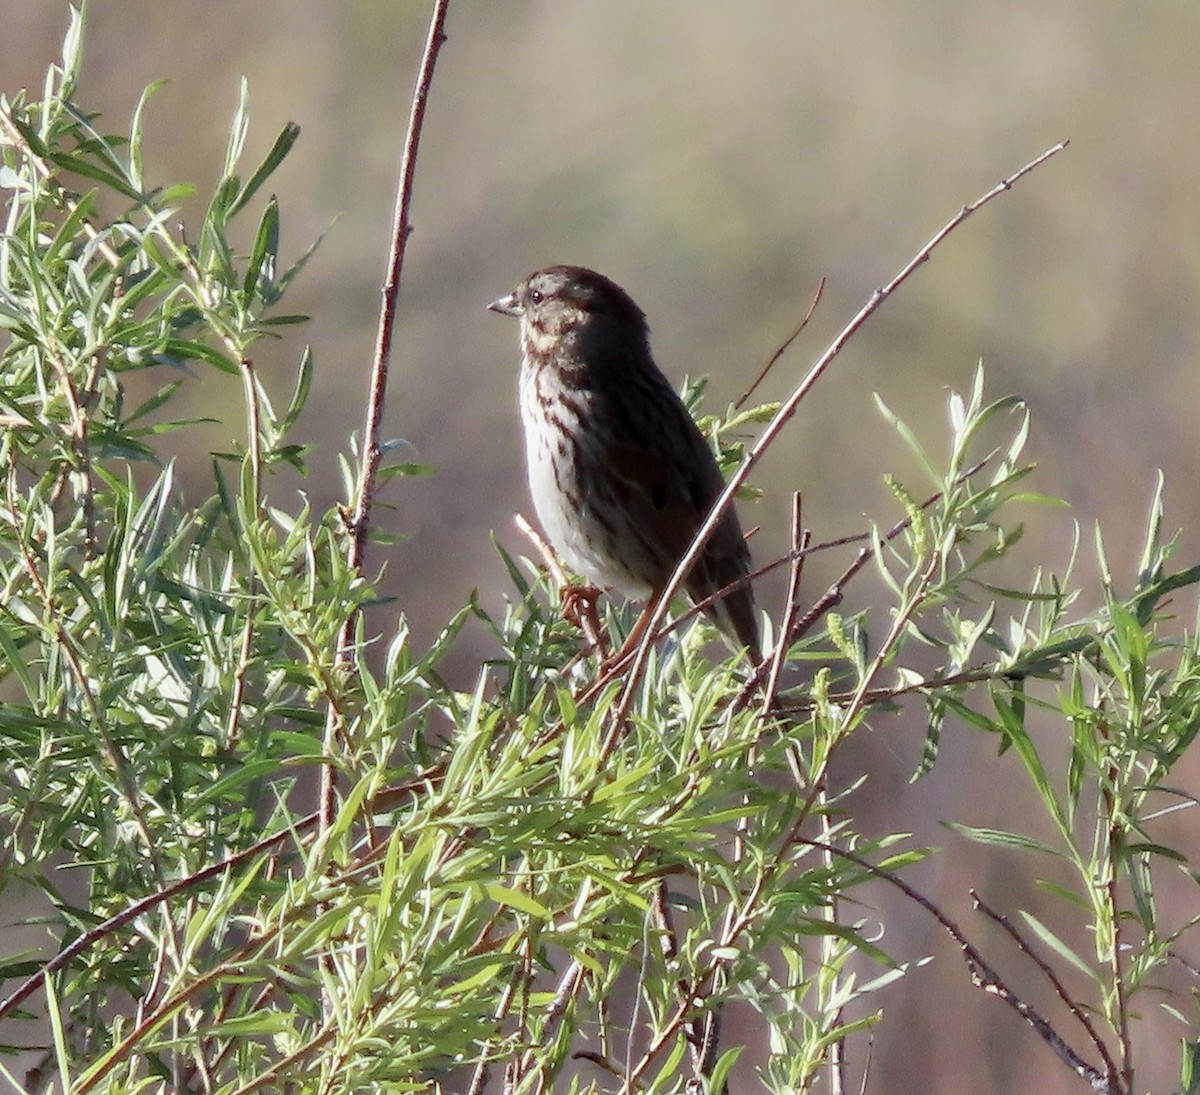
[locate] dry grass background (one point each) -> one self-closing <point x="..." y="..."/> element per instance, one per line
<point x="717" y="159"/>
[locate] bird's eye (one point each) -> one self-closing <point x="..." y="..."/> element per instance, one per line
<point x="536" y="296"/>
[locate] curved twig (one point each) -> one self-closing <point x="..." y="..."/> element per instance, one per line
<point x="358" y="524"/>
<point x="783" y="347"/>
<point x="982" y="975"/>
<point x="785" y="412"/>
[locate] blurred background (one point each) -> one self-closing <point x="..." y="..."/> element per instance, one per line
<point x="717" y="160"/>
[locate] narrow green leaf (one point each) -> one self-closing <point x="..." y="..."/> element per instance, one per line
<point x="14" y="661"/>
<point x="160" y="428"/>
<point x="300" y="393"/>
<point x="968" y="714"/>
<point x="1189" y="1067"/>
<point x="36" y="144"/>
<point x="135" y="134"/>
<point x="155" y="401"/>
<point x="214" y="256"/>
<point x="198" y="351"/>
<point x="260" y="266"/>
<point x="1069" y="896"/>
<point x="908" y="437"/>
<point x="76" y="165"/>
<point x="72" y="50"/>
<point x="667" y="1080"/>
<point x="227" y="788"/>
<point x="1016" y="735"/>
<point x="279" y="150"/>
<point x="721" y="1069"/>
<point x="1001" y="838"/>
<point x="17" y="965"/>
<point x="1149" y="848"/>
<point x="238" y="129"/>
<point x="67" y="237"/>
<point x="811" y="925"/>
<point x="1058" y="946"/>
<point x="394" y="471"/>
<point x="515" y="899"/>
<point x="292" y="272"/>
<point x="933" y="736"/>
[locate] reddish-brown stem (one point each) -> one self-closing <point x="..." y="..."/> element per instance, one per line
<point x="801" y="538"/>
<point x="358" y="524"/>
<point x="783" y="347"/>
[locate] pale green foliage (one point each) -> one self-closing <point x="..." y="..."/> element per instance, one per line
<point x="508" y="880"/>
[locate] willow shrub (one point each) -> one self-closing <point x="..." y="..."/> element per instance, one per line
<point x="511" y="884"/>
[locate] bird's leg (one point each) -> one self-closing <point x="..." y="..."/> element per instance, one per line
<point x="578" y="605"/>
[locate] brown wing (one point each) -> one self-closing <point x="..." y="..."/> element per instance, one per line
<point x="662" y="479"/>
<point x="666" y="497"/>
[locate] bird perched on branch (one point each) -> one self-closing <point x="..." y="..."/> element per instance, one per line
<point x="620" y="474"/>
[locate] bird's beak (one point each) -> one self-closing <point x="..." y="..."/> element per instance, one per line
<point x="506" y="305"/>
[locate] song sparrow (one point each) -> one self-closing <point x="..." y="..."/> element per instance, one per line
<point x="621" y="476"/>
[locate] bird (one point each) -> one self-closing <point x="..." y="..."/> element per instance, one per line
<point x="620" y="475"/>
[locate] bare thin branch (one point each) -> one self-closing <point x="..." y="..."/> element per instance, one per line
<point x="801" y="538"/>
<point x="783" y="347"/>
<point x="359" y="523"/>
<point x="982" y="975"/>
<point x="785" y="412"/>
<point x="1059" y="988"/>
